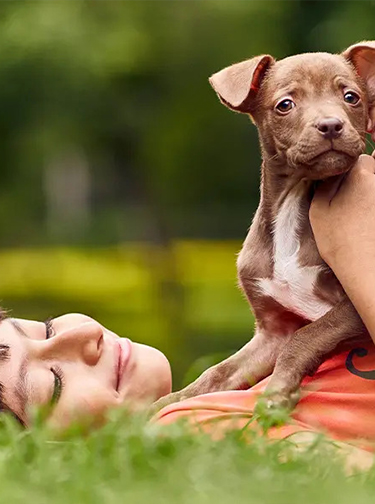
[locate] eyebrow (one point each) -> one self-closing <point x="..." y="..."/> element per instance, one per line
<point x="17" y="327"/>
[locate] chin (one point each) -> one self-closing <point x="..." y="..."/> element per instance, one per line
<point x="162" y="371"/>
<point x="148" y="378"/>
<point x="328" y="164"/>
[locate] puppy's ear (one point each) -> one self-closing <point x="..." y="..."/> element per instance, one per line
<point x="362" y="56"/>
<point x="238" y="84"/>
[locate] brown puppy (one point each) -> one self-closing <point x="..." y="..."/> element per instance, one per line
<point x="312" y="112"/>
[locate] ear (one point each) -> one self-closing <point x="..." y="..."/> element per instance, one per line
<point x="238" y="85"/>
<point x="362" y="56"/>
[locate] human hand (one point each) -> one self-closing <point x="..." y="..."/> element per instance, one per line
<point x="371" y="124"/>
<point x="342" y="215"/>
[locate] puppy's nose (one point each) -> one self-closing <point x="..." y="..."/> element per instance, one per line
<point x="330" y="127"/>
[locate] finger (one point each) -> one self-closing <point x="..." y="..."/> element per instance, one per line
<point x="373" y="154"/>
<point x="371" y="123"/>
<point x="366" y="163"/>
<point x="327" y="190"/>
<point x="370" y="127"/>
<point x="364" y="167"/>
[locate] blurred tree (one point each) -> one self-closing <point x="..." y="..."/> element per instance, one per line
<point x="125" y="84"/>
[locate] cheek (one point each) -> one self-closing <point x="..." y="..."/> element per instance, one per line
<point x="88" y="406"/>
<point x="358" y="119"/>
<point x="286" y="130"/>
<point x="43" y="381"/>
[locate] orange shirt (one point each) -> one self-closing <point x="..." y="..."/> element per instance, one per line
<point x="338" y="400"/>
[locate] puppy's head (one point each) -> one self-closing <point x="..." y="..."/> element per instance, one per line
<point x="312" y="110"/>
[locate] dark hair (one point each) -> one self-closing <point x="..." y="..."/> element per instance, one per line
<point x="4" y="356"/>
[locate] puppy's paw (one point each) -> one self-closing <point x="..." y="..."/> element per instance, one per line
<point x="273" y="408"/>
<point x="164" y="401"/>
<point x="282" y="400"/>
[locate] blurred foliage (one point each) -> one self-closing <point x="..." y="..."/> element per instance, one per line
<point x="122" y="85"/>
<point x="115" y="149"/>
<point x="137" y="463"/>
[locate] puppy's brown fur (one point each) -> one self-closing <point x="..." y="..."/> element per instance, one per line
<point x="302" y="313"/>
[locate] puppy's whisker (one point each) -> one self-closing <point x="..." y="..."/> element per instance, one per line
<point x="272" y="158"/>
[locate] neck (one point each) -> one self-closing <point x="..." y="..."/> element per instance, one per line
<point x="277" y="182"/>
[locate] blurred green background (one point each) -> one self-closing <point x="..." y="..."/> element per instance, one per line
<point x="126" y="188"/>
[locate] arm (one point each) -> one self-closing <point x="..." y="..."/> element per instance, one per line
<point x="342" y="217"/>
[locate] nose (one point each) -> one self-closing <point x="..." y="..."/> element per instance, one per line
<point x="330" y="127"/>
<point x="81" y="343"/>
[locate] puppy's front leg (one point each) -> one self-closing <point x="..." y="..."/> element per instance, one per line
<point x="242" y="370"/>
<point x="306" y="349"/>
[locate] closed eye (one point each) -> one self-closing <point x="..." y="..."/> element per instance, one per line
<point x="58" y="385"/>
<point x="49" y="328"/>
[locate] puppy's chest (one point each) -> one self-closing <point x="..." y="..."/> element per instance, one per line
<point x="293" y="286"/>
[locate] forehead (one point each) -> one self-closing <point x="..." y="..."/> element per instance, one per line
<point x="316" y="70"/>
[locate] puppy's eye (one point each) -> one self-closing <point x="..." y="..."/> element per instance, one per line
<point x="351" y="97"/>
<point x="284" y="106"/>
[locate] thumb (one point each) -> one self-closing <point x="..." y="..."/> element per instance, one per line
<point x="365" y="163"/>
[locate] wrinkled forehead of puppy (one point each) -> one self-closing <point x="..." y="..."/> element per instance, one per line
<point x="316" y="73"/>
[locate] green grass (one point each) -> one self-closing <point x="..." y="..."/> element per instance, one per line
<point x="183" y="300"/>
<point x="133" y="462"/>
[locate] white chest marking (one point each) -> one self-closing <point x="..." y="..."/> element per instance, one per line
<point x="292" y="285"/>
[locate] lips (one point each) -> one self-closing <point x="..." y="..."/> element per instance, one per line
<point x="124" y="346"/>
